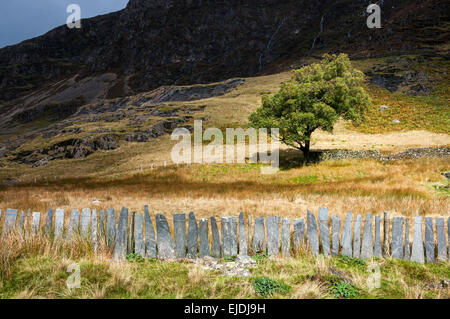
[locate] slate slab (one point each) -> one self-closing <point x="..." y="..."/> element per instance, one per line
<point x="407" y="250"/>
<point x="139" y="244"/>
<point x="377" y="252"/>
<point x="234" y="236"/>
<point x="299" y="234"/>
<point x="286" y="237"/>
<point x="85" y="222"/>
<point x="102" y="225"/>
<point x="335" y="234"/>
<point x="397" y="237"/>
<point x="441" y="240"/>
<point x="203" y="238"/>
<point x="243" y="251"/>
<point x="273" y="235"/>
<point x="94" y="230"/>
<point x="59" y="223"/>
<point x="259" y="237"/>
<point x="165" y="243"/>
<point x="150" y="237"/>
<point x="216" y="249"/>
<point x="357" y="237"/>
<point x="347" y="236"/>
<point x="10" y="220"/>
<point x="324" y="230"/>
<point x="429" y="240"/>
<point x="130" y="232"/>
<point x="48" y="222"/>
<point x="179" y="230"/>
<point x="120" y="246"/>
<point x="74" y="224"/>
<point x="367" y="240"/>
<point x="417" y="253"/>
<point x="226" y="236"/>
<point x="192" y="236"/>
<point x="21" y="222"/>
<point x="110" y="227"/>
<point x="312" y="236"/>
<point x="386" y="233"/>
<point x="249" y="231"/>
<point x="35" y="222"/>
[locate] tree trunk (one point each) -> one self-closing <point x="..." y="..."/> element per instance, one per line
<point x="305" y="150"/>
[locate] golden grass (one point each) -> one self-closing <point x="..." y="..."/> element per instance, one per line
<point x="403" y="187"/>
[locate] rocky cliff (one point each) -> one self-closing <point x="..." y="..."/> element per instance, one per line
<point x="160" y="42"/>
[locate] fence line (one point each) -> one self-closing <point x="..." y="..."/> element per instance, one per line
<point x="134" y="233"/>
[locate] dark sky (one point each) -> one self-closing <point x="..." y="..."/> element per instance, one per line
<point x="25" y="19"/>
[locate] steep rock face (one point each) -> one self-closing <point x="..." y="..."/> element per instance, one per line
<point x="162" y="42"/>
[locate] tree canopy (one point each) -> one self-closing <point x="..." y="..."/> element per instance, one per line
<point x="315" y="97"/>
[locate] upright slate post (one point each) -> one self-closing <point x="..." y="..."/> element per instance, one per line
<point x="312" y="235"/>
<point x="324" y="230"/>
<point x="367" y="241"/>
<point x="249" y="231"/>
<point x="397" y="237"/>
<point x="273" y="235"/>
<point x="102" y="226"/>
<point x="94" y="230"/>
<point x="386" y="234"/>
<point x="407" y="252"/>
<point x="233" y="234"/>
<point x="131" y="232"/>
<point x="203" y="238"/>
<point x="59" y="223"/>
<point x="21" y="222"/>
<point x="242" y="236"/>
<point x="35" y="222"/>
<point x="110" y="227"/>
<point x="429" y="239"/>
<point x="120" y="247"/>
<point x="139" y="245"/>
<point x="216" y="251"/>
<point x="74" y="224"/>
<point x="347" y="236"/>
<point x="357" y="237"/>
<point x="48" y="222"/>
<point x="448" y="237"/>
<point x="417" y="253"/>
<point x="335" y="232"/>
<point x="10" y="221"/>
<point x="299" y="234"/>
<point x="85" y="221"/>
<point x="286" y="237"/>
<point x="179" y="229"/>
<point x="377" y="250"/>
<point x="226" y="236"/>
<point x="165" y="243"/>
<point x="150" y="241"/>
<point x="192" y="236"/>
<point x="259" y="237"/>
<point x="441" y="241"/>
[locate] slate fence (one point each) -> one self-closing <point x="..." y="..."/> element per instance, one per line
<point x="135" y="233"/>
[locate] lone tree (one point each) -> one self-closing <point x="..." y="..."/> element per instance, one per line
<point x="315" y="98"/>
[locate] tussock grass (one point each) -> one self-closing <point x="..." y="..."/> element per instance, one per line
<point x="43" y="274"/>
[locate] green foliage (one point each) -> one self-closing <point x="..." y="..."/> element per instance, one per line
<point x="133" y="257"/>
<point x="267" y="287"/>
<point x="305" y="179"/>
<point x="343" y="289"/>
<point x="260" y="257"/>
<point x="352" y="261"/>
<point x="229" y="258"/>
<point x="315" y="98"/>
